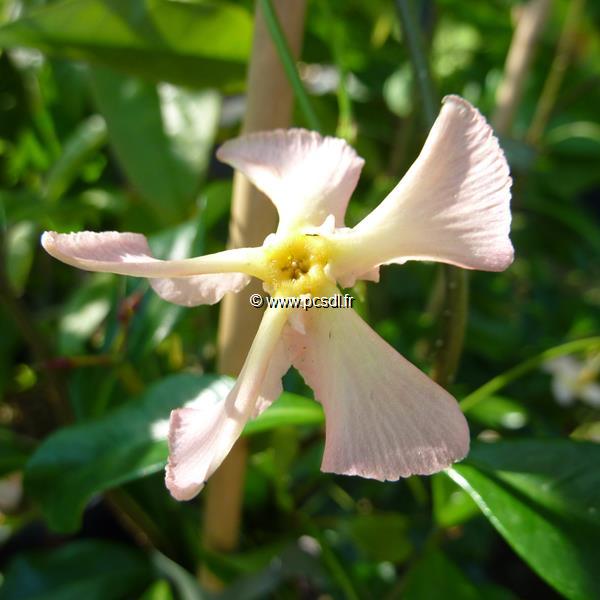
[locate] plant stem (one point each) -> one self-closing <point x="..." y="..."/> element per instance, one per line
<point x="557" y="71"/>
<point x="502" y="380"/>
<point x="531" y="22"/>
<point x="453" y="319"/>
<point x="269" y="105"/>
<point x="414" y="39"/>
<point x="289" y="64"/>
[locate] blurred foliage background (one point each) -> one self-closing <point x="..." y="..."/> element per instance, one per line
<point x="110" y="113"/>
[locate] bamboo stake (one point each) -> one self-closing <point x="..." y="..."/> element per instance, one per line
<point x="269" y="106"/>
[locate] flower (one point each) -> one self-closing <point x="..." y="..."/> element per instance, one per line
<point x="572" y="379"/>
<point x="385" y="419"/>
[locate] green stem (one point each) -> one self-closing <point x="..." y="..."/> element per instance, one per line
<point x="558" y="69"/>
<point x="453" y="318"/>
<point x="453" y="322"/>
<point x="289" y="64"/>
<point x="534" y="362"/>
<point x="414" y="40"/>
<point x="346" y="127"/>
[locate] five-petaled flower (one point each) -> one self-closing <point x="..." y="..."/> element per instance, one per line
<point x="385" y="419"/>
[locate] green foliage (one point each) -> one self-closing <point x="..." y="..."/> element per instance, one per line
<point x="79" y="461"/>
<point x="159" y="40"/>
<point x="93" y="569"/>
<point x="544" y="497"/>
<point x="110" y="113"/>
<point x="168" y="164"/>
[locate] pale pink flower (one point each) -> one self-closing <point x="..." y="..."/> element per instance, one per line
<point x="385" y="419"/>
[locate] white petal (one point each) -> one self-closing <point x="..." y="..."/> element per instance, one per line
<point x="590" y="394"/>
<point x="201" y="438"/>
<point x="203" y="280"/>
<point x="563" y="389"/>
<point x="385" y="419"/>
<point x="307" y="176"/>
<point x="452" y="206"/>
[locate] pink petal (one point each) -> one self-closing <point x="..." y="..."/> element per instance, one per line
<point x="308" y="177"/>
<point x="189" y="281"/>
<point x="385" y="419"/>
<point x="199" y="289"/>
<point x="452" y="206"/>
<point x="201" y="437"/>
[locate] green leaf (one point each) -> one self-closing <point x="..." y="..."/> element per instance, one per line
<point x="156" y="318"/>
<point x="162" y="136"/>
<point x="14" y="451"/>
<point x="289" y="409"/>
<point x="21" y="241"/>
<point x="87" y="138"/>
<point x="185" y="584"/>
<point x="197" y="44"/>
<point x="90" y="569"/>
<point x="436" y="577"/>
<point x="84" y="312"/>
<point x="499" y="412"/>
<point x="382" y="536"/>
<point x="543" y="496"/>
<point x="159" y="590"/>
<point x="451" y="504"/>
<point x="79" y="461"/>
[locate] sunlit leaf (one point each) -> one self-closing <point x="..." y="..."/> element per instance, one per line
<point x="162" y="136"/>
<point x="182" y="42"/>
<point x="88" y="137"/>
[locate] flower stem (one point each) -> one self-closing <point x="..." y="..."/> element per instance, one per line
<point x="269" y="105"/>
<point x="289" y="64"/>
<point x="453" y="320"/>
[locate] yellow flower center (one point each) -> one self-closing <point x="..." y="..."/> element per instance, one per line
<point x="296" y="266"/>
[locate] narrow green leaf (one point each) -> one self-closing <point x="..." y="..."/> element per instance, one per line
<point x="21" y="241"/>
<point x="87" y="138"/>
<point x="90" y="569"/>
<point x="82" y="460"/>
<point x="544" y="498"/>
<point x="162" y="136"/>
<point x="160" y="40"/>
